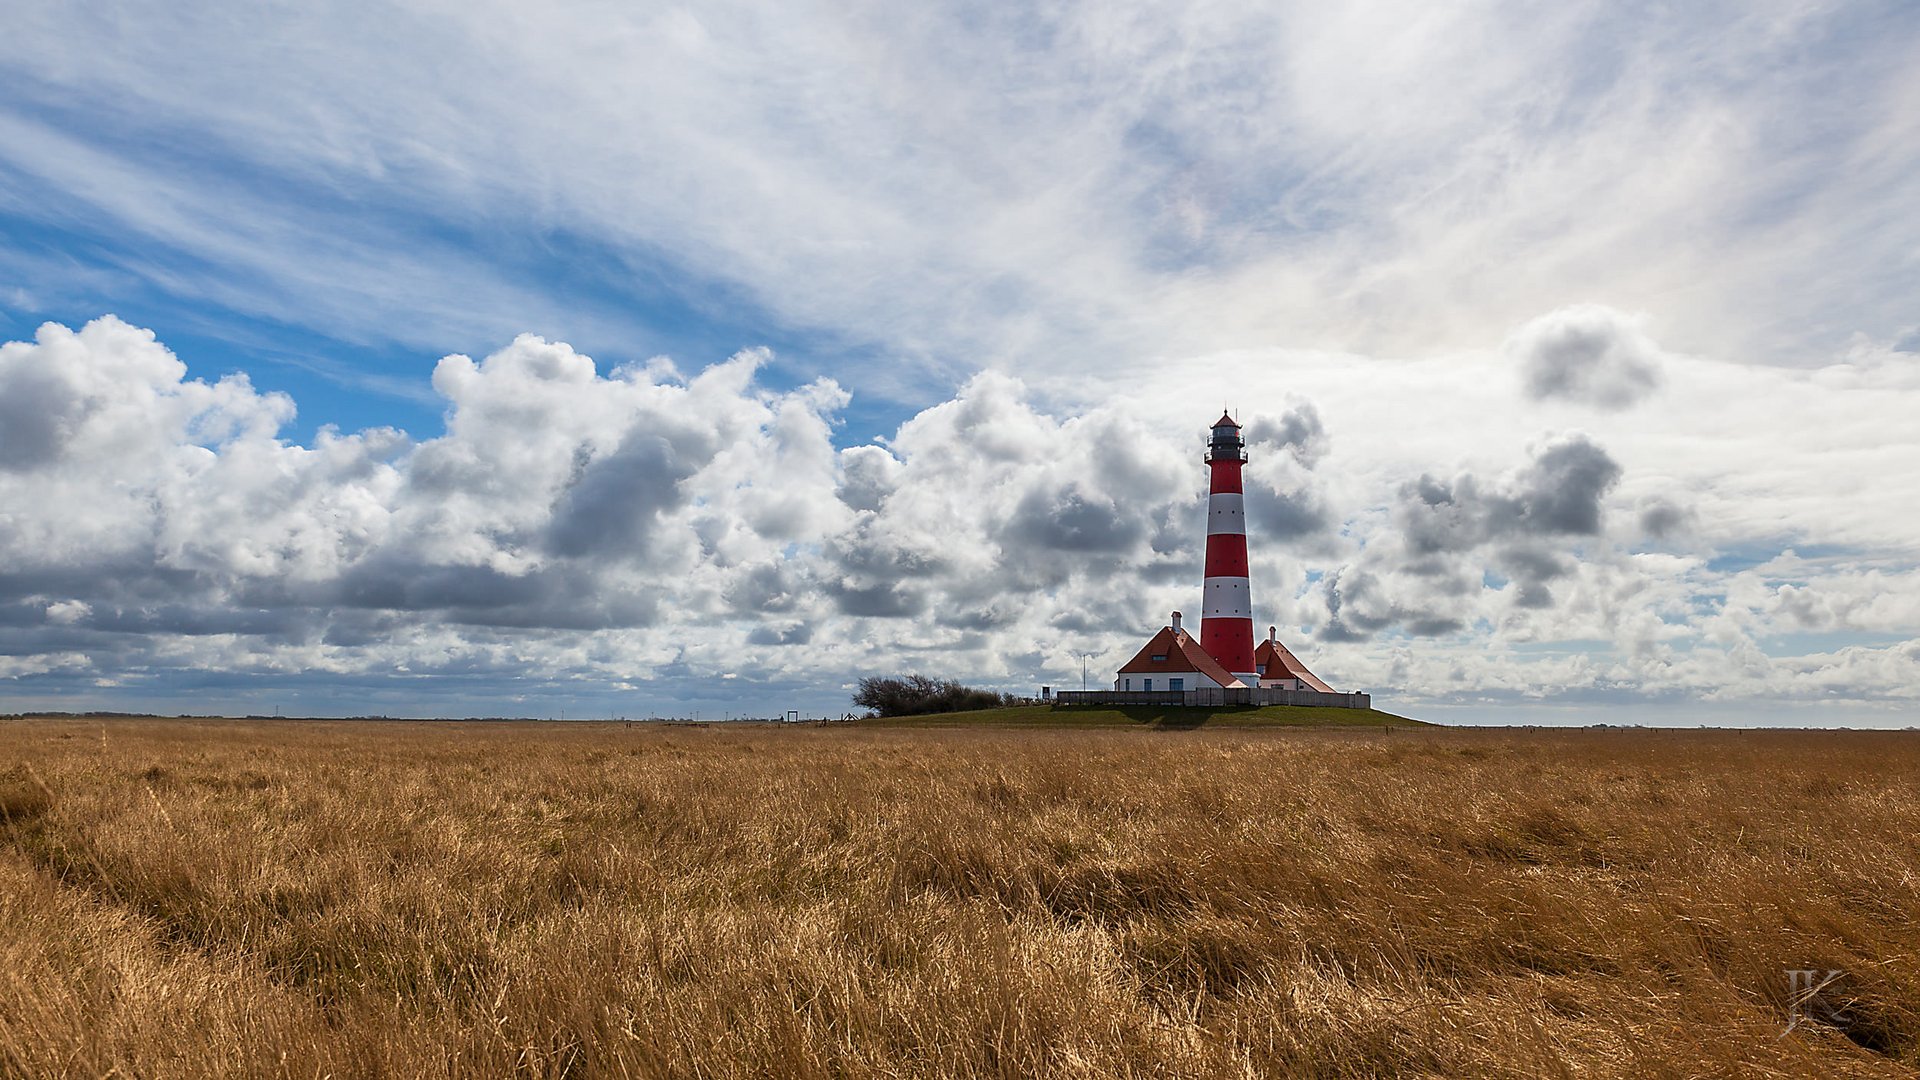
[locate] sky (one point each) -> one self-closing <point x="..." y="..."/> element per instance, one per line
<point x="599" y="359"/>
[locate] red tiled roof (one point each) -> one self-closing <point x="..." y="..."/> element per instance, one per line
<point x="1268" y="664"/>
<point x="1181" y="653"/>
<point x="1282" y="664"/>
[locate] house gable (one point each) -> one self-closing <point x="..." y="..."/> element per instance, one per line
<point x="1276" y="664"/>
<point x="1174" y="654"/>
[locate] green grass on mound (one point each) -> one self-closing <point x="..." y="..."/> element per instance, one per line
<point x="1154" y="716"/>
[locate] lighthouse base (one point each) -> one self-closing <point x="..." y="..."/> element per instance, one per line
<point x="1214" y="697"/>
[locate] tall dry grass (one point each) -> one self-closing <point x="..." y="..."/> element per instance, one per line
<point x="302" y="899"/>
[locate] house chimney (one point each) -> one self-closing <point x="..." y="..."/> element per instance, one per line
<point x="1273" y="633"/>
<point x="1176" y="622"/>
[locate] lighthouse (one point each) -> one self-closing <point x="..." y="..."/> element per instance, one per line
<point x="1226" y="606"/>
<point x="1190" y="672"/>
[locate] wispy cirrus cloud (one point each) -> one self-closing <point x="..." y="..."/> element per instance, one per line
<point x="1033" y="187"/>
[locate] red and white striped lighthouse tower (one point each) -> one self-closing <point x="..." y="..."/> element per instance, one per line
<point x="1226" y="608"/>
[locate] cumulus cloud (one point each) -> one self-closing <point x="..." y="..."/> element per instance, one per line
<point x="798" y="634"/>
<point x="867" y="475"/>
<point x="1360" y="604"/>
<point x="68" y="612"/>
<point x="1069" y="520"/>
<point x="1661" y="517"/>
<point x="1298" y="432"/>
<point x="1558" y="493"/>
<point x="1589" y="354"/>
<point x="634" y="527"/>
<point x="1285" y="501"/>
<point x="1454" y="536"/>
<point x="569" y="517"/>
<point x="555" y="497"/>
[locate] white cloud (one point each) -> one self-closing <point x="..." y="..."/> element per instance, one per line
<point x="1586" y="353"/>
<point x="1085" y="186"/>
<point x="633" y="527"/>
<point x="68" y="612"/>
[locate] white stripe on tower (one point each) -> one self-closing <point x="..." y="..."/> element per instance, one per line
<point x="1227" y="513"/>
<point x="1226" y="598"/>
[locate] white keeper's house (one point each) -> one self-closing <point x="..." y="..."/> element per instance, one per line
<point x="1173" y="661"/>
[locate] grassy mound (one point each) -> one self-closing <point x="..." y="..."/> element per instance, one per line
<point x="1154" y="716"/>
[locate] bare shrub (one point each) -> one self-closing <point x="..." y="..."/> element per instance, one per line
<point x="917" y="695"/>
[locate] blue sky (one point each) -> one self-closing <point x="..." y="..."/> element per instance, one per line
<point x="978" y="268"/>
<point x="620" y="304"/>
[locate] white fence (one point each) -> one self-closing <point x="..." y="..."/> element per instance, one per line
<point x="1214" y="696"/>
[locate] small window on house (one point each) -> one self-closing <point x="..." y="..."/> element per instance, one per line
<point x="1176" y="684"/>
<point x="1160" y="658"/>
<point x="1146" y="684"/>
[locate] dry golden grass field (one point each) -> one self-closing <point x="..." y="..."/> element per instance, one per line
<point x="344" y="899"/>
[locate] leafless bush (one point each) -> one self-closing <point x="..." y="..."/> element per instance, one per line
<point x="917" y="695"/>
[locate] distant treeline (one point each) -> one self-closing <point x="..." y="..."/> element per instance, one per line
<point x="916" y="695"/>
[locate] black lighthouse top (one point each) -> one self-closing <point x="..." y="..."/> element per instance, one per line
<point x="1227" y="445"/>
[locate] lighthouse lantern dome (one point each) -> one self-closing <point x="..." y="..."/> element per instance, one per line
<point x="1226" y="444"/>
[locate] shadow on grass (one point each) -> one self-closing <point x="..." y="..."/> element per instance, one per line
<point x="1163" y="716"/>
<point x="1154" y="717"/>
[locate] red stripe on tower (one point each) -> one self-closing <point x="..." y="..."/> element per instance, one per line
<point x="1226" y="609"/>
